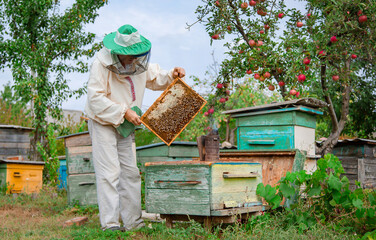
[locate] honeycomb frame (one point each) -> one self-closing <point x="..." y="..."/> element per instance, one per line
<point x="165" y="117"/>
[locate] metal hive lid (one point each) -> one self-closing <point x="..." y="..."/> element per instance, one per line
<point x="307" y="102"/>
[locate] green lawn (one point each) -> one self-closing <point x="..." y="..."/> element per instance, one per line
<point x="42" y="216"/>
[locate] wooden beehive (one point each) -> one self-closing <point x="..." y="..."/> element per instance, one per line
<point x="81" y="185"/>
<point x="15" y="141"/>
<point x="172" y="111"/>
<point x="21" y="176"/>
<point x="158" y="152"/>
<point x="358" y="158"/>
<point x="202" y="188"/>
<point x="278" y="126"/>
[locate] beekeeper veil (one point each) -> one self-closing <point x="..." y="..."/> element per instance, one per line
<point x="130" y="51"/>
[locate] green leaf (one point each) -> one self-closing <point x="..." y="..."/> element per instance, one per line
<point x="370" y="212"/>
<point x="371" y="198"/>
<point x="315" y="191"/>
<point x="334" y="183"/>
<point x="275" y="201"/>
<point x="332" y="203"/>
<point x="357" y="203"/>
<point x="287" y="191"/>
<point x="260" y="190"/>
<point x="359" y="213"/>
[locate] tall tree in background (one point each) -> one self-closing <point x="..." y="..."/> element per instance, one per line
<point x="40" y="43"/>
<point x="324" y="52"/>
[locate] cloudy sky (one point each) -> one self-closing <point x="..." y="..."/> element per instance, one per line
<point x="163" y="22"/>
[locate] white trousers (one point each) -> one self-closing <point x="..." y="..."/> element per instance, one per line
<point x="117" y="176"/>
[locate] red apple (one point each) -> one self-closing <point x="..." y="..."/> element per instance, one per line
<point x="297" y="94"/>
<point x="256" y="76"/>
<point x="360" y="12"/>
<point x="333" y="39"/>
<point x="211" y="111"/>
<point x="217" y="3"/>
<point x="322" y="53"/>
<point x="215" y="36"/>
<point x="228" y="92"/>
<point x="279" y="70"/>
<point x="262" y="32"/>
<point x="353" y="56"/>
<point x="249" y="71"/>
<point x="252" y="43"/>
<point x="222" y="100"/>
<point x="229" y="28"/>
<point x="206" y="113"/>
<point x="241" y="51"/>
<point x="260" y="43"/>
<point x="335" y="77"/>
<point x="266" y="26"/>
<point x="226" y="98"/>
<point x="362" y="19"/>
<point x="244" y="5"/>
<point x="267" y="75"/>
<point x="309" y="15"/>
<point x="281" y="83"/>
<point x="271" y="87"/>
<point x="252" y="3"/>
<point x="299" y="24"/>
<point x="292" y="92"/>
<point x="219" y="85"/>
<point x="280" y="15"/>
<point x="306" y="61"/>
<point x="262" y="78"/>
<point x="301" y="78"/>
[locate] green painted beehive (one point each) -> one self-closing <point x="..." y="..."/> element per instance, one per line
<point x="201" y="188"/>
<point x="81" y="185"/>
<point x="280" y="126"/>
<point x="161" y="152"/>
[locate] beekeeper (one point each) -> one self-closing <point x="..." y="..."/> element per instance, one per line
<point x="118" y="78"/>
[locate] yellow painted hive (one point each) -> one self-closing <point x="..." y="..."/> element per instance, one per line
<point x="21" y="176"/>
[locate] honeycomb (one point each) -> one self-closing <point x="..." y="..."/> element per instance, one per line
<point x="173" y="111"/>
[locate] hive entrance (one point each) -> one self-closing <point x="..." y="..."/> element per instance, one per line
<point x="172" y="111"/>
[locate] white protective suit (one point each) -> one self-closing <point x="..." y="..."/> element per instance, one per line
<point x="117" y="176"/>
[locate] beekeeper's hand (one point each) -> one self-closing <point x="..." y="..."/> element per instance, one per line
<point x="132" y="117"/>
<point x="178" y="72"/>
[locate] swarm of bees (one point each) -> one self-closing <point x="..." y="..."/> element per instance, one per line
<point x="178" y="105"/>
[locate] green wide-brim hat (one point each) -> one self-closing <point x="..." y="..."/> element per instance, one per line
<point x="127" y="41"/>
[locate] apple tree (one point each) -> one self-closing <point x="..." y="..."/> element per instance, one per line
<point x="238" y="93"/>
<point x="323" y="51"/>
<point x="40" y="42"/>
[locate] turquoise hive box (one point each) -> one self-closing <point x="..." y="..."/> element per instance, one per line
<point x="278" y="126"/>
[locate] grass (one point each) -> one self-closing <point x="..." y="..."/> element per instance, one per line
<point x="42" y="216"/>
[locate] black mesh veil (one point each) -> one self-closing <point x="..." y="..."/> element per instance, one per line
<point x="139" y="65"/>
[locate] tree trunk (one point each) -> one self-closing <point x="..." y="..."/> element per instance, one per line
<point x="337" y="126"/>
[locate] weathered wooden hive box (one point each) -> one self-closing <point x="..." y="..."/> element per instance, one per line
<point x="21" y="176"/>
<point x="287" y="125"/>
<point x="158" y="152"/>
<point x="280" y="136"/>
<point x="201" y="188"/>
<point x="14" y="141"/>
<point x="358" y="157"/>
<point x="81" y="185"/>
<point x="275" y="163"/>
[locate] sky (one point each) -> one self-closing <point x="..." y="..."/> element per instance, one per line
<point x="164" y="23"/>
